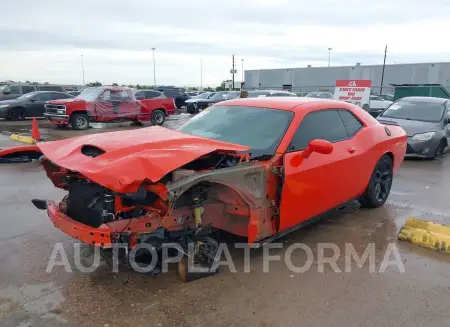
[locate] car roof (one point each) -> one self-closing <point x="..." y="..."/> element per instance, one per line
<point x="148" y="90"/>
<point x="425" y="99"/>
<point x="283" y="103"/>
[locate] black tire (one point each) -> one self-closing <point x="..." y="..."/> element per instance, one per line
<point x="158" y="117"/>
<point x="16" y="114"/>
<point x="439" y="153"/>
<point x="79" y="122"/>
<point x="380" y="184"/>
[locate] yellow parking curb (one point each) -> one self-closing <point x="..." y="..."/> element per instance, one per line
<point x="23" y="139"/>
<point x="427" y="234"/>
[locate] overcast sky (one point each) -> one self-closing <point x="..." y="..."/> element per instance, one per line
<point x="44" y="40"/>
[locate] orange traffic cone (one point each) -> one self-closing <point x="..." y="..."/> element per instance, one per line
<point x="35" y="134"/>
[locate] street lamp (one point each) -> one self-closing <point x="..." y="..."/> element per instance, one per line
<point x="201" y="74"/>
<point x="329" y="56"/>
<point x="82" y="68"/>
<point x="154" y="68"/>
<point x="242" y="67"/>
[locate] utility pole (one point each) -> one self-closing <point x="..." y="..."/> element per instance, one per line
<point x="242" y="67"/>
<point x="232" y="73"/>
<point x="329" y="56"/>
<point x="382" y="73"/>
<point x="82" y="68"/>
<point x="154" y="68"/>
<point x="201" y="74"/>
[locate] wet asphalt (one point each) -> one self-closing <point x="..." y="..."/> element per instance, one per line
<point x="29" y="296"/>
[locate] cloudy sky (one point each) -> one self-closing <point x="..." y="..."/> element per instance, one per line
<point x="44" y="40"/>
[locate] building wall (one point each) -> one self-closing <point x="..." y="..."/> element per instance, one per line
<point x="313" y="78"/>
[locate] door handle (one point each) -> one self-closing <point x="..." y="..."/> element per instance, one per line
<point x="351" y="149"/>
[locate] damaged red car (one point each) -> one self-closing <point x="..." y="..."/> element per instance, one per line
<point x="257" y="168"/>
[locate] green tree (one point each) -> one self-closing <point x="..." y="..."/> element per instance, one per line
<point x="97" y="83"/>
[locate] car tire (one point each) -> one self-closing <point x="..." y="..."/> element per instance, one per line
<point x="380" y="184"/>
<point x="16" y="114"/>
<point x="79" y="121"/>
<point x="158" y="117"/>
<point x="439" y="153"/>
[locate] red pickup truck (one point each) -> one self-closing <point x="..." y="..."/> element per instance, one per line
<point x="107" y="104"/>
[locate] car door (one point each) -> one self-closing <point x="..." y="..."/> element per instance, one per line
<point x="128" y="106"/>
<point x="36" y="105"/>
<point x="103" y="107"/>
<point x="321" y="182"/>
<point x="446" y="120"/>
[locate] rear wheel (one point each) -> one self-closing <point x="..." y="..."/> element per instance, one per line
<point x="79" y="121"/>
<point x="380" y="184"/>
<point x="17" y="114"/>
<point x="158" y="117"/>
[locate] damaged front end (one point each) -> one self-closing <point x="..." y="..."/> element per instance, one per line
<point x="219" y="190"/>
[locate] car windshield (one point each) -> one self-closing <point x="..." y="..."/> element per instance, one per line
<point x="219" y="96"/>
<point x="3" y="87"/>
<point x="415" y="110"/>
<point x="243" y="125"/>
<point x="202" y="96"/>
<point x="90" y="94"/>
<point x="27" y="96"/>
<point x="256" y="94"/>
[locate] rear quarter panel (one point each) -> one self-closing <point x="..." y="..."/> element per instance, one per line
<point x="149" y="105"/>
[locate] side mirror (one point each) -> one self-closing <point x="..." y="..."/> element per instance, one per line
<point x="319" y="146"/>
<point x="33" y="100"/>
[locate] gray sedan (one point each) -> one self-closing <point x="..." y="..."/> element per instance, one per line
<point x="425" y="120"/>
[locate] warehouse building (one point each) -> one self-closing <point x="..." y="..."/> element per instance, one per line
<point x="323" y="78"/>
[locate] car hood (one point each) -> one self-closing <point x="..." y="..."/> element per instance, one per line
<point x="131" y="157"/>
<point x="413" y="127"/>
<point x="65" y="101"/>
<point x="200" y="101"/>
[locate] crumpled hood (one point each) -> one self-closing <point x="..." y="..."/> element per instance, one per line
<point x="64" y="101"/>
<point x="131" y="157"/>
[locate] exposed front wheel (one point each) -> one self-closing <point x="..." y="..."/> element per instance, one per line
<point x="79" y="121"/>
<point x="158" y="117"/>
<point x="380" y="184"/>
<point x="17" y="114"/>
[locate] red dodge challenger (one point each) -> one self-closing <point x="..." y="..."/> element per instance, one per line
<point x="257" y="168"/>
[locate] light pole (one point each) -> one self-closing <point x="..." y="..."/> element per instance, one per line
<point x="242" y="67"/>
<point x="82" y="68"/>
<point x="201" y="74"/>
<point x="154" y="68"/>
<point x="329" y="56"/>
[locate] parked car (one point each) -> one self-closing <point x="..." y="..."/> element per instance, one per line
<point x="156" y="104"/>
<point x="29" y="105"/>
<point x="74" y="93"/>
<point x="178" y="94"/>
<point x="270" y="93"/>
<point x="227" y="169"/>
<point x="106" y="104"/>
<point x="320" y="95"/>
<point x="13" y="91"/>
<point x="191" y="94"/>
<point x="202" y="102"/>
<point x="426" y="121"/>
<point x="388" y="97"/>
<point x="377" y="104"/>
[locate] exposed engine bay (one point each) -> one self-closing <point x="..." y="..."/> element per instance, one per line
<point x="221" y="190"/>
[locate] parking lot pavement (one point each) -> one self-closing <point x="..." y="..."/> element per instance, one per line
<point x="420" y="296"/>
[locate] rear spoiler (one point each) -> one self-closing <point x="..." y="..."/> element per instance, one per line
<point x="388" y="122"/>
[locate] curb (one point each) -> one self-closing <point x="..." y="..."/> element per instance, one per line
<point x="427" y="234"/>
<point x="22" y="139"/>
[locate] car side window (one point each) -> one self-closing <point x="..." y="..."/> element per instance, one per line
<point x="140" y="95"/>
<point x="43" y="97"/>
<point x="351" y="123"/>
<point x="151" y="94"/>
<point x="28" y="89"/>
<point x="321" y="124"/>
<point x="14" y="90"/>
<point x="57" y="96"/>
